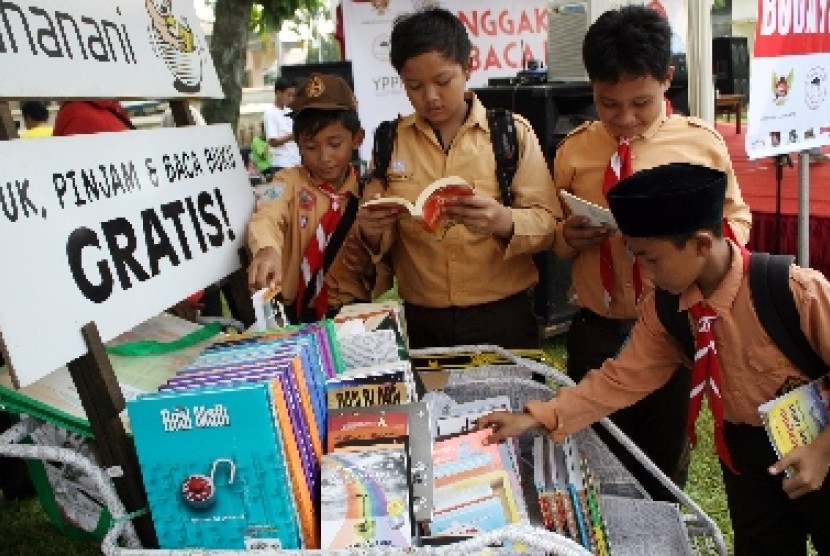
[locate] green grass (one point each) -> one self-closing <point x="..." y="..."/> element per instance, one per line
<point x="705" y="485"/>
<point x="26" y="531"/>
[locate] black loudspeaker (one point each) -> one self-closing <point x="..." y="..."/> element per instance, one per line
<point x="534" y="102"/>
<point x="553" y="111"/>
<point x="678" y="95"/>
<point x="730" y="64"/>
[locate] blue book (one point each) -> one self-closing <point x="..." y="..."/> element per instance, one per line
<point x="214" y="468"/>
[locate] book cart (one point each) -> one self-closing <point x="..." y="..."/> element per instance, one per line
<point x="58" y="227"/>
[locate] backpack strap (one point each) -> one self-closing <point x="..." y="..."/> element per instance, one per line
<point x="505" y="148"/>
<point x="334" y="245"/>
<point x="675" y="322"/>
<point x="769" y="284"/>
<point x="384" y="142"/>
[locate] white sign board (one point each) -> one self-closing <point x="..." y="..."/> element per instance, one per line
<point x="789" y="79"/>
<point x="104" y="49"/>
<point x="503" y="34"/>
<point x="112" y="228"/>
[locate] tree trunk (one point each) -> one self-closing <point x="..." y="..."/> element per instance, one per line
<point x="227" y="48"/>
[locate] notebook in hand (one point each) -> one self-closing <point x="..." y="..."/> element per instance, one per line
<point x="596" y="215"/>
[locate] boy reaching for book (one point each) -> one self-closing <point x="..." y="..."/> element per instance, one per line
<point x="681" y="244"/>
<point x="627" y="55"/>
<point x="303" y="242"/>
<point x="469" y="287"/>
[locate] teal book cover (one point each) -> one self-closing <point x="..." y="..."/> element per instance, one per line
<point x="214" y="469"/>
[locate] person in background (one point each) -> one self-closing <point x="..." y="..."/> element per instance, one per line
<point x="261" y="154"/>
<point x="77" y="117"/>
<point x="682" y="245"/>
<point x="279" y="127"/>
<point x="310" y="219"/>
<point x="35" y="119"/>
<point x="470" y="287"/>
<point x="627" y="55"/>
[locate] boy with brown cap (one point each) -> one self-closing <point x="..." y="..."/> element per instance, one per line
<point x="671" y="219"/>
<point x="303" y="240"/>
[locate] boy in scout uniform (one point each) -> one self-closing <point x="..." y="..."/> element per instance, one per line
<point x="311" y="218"/>
<point x="627" y="55"/>
<point x="736" y="365"/>
<point x="469" y="287"/>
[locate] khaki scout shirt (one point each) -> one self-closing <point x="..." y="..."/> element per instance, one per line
<point x="753" y="368"/>
<point x="288" y="223"/>
<point x="579" y="167"/>
<point x="464" y="268"/>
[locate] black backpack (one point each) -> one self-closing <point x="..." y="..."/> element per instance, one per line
<point x="769" y="286"/>
<point x="502" y="136"/>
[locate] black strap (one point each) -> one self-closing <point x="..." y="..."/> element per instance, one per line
<point x="675" y="322"/>
<point x="505" y="148"/>
<point x="769" y="284"/>
<point x="335" y="242"/>
<point x="384" y="142"/>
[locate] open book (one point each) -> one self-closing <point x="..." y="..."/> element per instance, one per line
<point x="797" y="417"/>
<point x="428" y="208"/>
<point x="597" y="215"/>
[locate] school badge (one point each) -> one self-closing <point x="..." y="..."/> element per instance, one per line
<point x="781" y="87"/>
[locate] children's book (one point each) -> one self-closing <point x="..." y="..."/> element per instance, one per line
<point x="597" y="215"/>
<point x="428" y="208"/>
<point x="214" y="469"/>
<point x="365" y="499"/>
<point x="797" y="417"/>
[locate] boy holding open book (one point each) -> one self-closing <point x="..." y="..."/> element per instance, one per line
<point x="470" y="287"/>
<point x="736" y="365"/>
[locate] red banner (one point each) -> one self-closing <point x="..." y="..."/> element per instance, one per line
<point x="792" y="27"/>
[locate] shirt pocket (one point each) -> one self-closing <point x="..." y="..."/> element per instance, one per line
<point x="769" y="367"/>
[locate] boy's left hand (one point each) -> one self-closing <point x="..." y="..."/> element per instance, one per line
<point x="481" y="215"/>
<point x="810" y="464"/>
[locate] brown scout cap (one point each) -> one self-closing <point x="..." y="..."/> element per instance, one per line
<point x="324" y="92"/>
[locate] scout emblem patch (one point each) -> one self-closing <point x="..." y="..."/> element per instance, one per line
<point x="314" y="87"/>
<point x="306" y="199"/>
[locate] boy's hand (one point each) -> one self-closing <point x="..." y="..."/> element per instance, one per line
<point x="372" y="222"/>
<point x="481" y="214"/>
<point x="810" y="464"/>
<point x="505" y="424"/>
<point x="265" y="270"/>
<point x="581" y="236"/>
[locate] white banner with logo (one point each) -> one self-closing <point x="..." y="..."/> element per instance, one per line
<point x="104" y="49"/>
<point x="503" y="33"/>
<point x="112" y="228"/>
<point x="788" y="87"/>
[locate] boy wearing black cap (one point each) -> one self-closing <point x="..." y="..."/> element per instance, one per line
<point x="303" y="240"/>
<point x="627" y="54"/>
<point x="670" y="217"/>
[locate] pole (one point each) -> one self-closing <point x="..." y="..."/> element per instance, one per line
<point x="803" y="253"/>
<point x="780" y="161"/>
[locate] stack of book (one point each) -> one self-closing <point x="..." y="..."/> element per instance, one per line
<point x="230" y="446"/>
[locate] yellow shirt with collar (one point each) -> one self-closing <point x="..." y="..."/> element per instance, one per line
<point x="464" y="268"/>
<point x="290" y="221"/>
<point x="579" y="167"/>
<point x="753" y="368"/>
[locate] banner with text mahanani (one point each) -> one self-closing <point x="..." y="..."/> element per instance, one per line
<point x="788" y="89"/>
<point x="104" y="49"/>
<point x="112" y="228"/>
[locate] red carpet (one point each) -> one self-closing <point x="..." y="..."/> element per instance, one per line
<point x="770" y="232"/>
